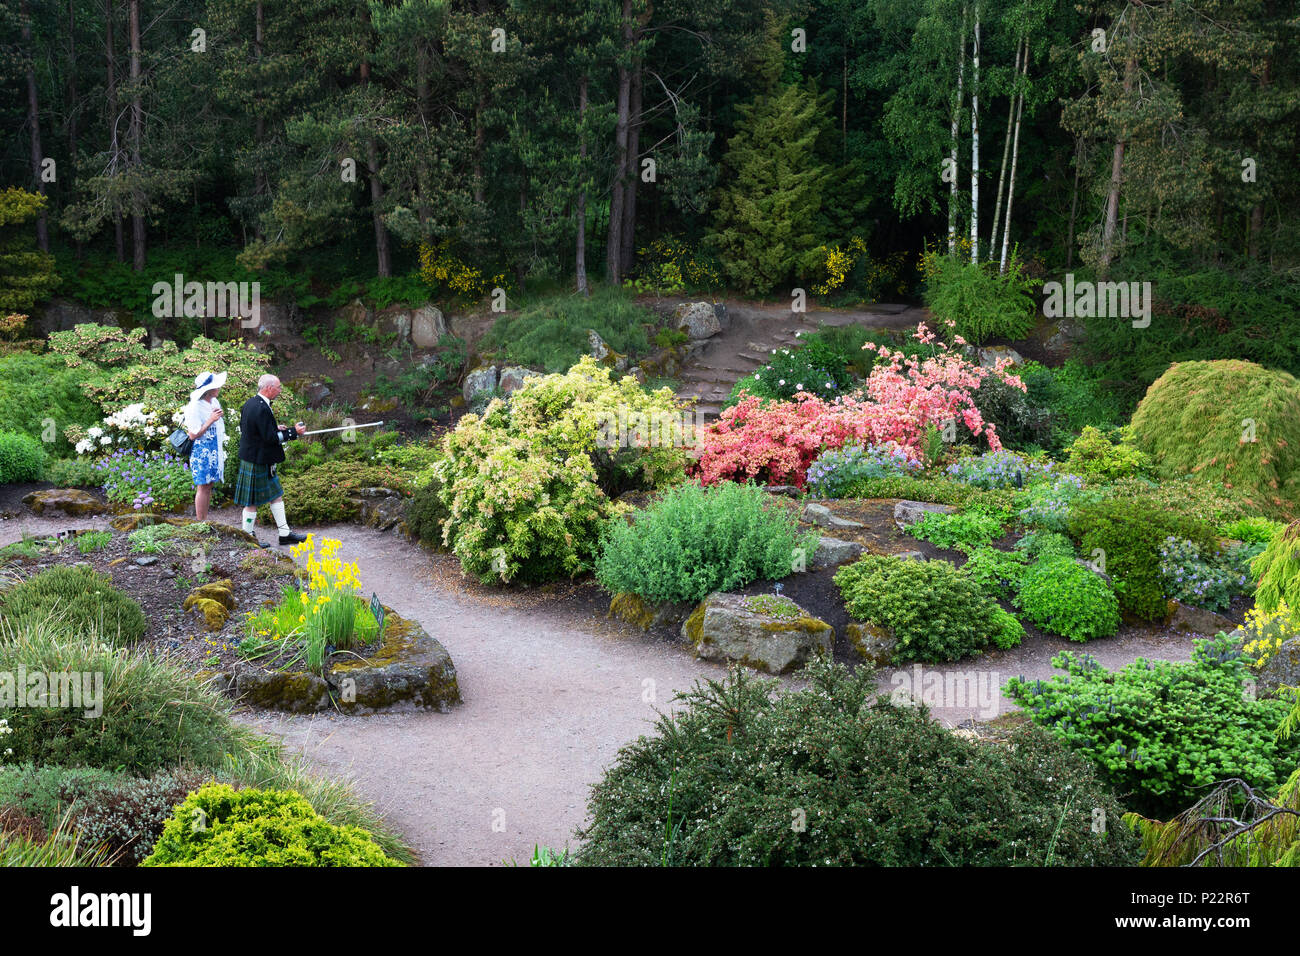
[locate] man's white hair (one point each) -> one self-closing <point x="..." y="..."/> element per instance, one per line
<point x="266" y="381"/>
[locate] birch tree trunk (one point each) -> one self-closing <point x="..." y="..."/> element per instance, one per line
<point x="975" y="142"/>
<point x="1002" y="170"/>
<point x="1015" y="155"/>
<point x="956" y="128"/>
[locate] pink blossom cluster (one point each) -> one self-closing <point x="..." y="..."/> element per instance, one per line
<point x="777" y="442"/>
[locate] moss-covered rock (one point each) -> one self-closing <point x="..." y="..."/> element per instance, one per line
<point x="640" y="613"/>
<point x="871" y="642"/>
<point x="71" y="501"/>
<point x="409" y="670"/>
<point x="776" y="639"/>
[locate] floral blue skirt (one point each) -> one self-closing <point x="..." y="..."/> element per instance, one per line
<point x="204" y="458"/>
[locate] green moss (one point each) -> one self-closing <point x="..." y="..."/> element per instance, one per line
<point x="632" y="609"/>
<point x="399" y="639"/>
<point x="694" y="626"/>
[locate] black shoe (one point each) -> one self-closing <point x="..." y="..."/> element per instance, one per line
<point x="293" y="537"/>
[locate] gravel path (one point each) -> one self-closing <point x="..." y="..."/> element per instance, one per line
<point x="549" y="697"/>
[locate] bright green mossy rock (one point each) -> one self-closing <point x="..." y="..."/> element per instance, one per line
<point x="1227" y="421"/>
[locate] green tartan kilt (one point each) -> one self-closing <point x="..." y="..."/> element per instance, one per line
<point x="256" y="485"/>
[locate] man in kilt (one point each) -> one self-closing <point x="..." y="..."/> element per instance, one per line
<point x="261" y="448"/>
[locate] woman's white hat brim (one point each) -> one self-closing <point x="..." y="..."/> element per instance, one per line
<point x="205" y="382"/>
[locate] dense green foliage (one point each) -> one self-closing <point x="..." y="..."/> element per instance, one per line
<point x="1063" y="597"/>
<point x="696" y="540"/>
<point x="1126" y="536"/>
<point x="998" y="573"/>
<point x="980" y="302"/>
<point x="259" y="828"/>
<point x="75" y="601"/>
<point x="1160" y="730"/>
<point x="934" y="611"/>
<point x="739" y="775"/>
<point x="960" y="530"/>
<point x="1277" y="571"/>
<point x="21" y="458"/>
<point x="1094" y="457"/>
<point x="1228" y="421"/>
<point x="554" y="333"/>
<point x="37" y="389"/>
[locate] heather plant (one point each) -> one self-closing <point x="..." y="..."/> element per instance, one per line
<point x="1162" y="730"/>
<point x="934" y="611"/>
<point x="1227" y="421"/>
<point x="1063" y="597"/>
<point x="836" y="470"/>
<point x="877" y="784"/>
<point x="696" y="540"/>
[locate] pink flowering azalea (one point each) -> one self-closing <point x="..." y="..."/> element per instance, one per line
<point x="777" y="442"/>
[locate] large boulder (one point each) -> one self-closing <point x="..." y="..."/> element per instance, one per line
<point x="767" y="632"/>
<point x="699" y="320"/>
<point x="647" y="615"/>
<point x="71" y="501"/>
<point x="512" y="378"/>
<point x="1282" y="669"/>
<point x="428" y="326"/>
<point x="823" y="517"/>
<point x="992" y="354"/>
<point x="832" y="552"/>
<point x="481" y="379"/>
<point x="1195" y="620"/>
<point x="409" y="670"/>
<point x="395" y="320"/>
<point x="601" y="351"/>
<point x="908" y="513"/>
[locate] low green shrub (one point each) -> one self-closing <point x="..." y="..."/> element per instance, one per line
<point x="998" y="573"/>
<point x="1162" y="730"/>
<point x="89" y="542"/>
<point x="696" y="540"/>
<point x="871" y="783"/>
<point x="425" y="514"/>
<point x="22" y="458"/>
<point x="152" y="715"/>
<point x="961" y="531"/>
<point x="38" y="389"/>
<point x="328" y="493"/>
<point x="1038" y="544"/>
<point x="1007" y="632"/>
<point x="1277" y="571"/>
<point x="1095" y="458"/>
<point x="76" y="601"/>
<point x="220" y="826"/>
<point x="1251" y="530"/>
<point x="942" y="491"/>
<point x="1129" y="534"/>
<point x="553" y="333"/>
<point x="1065" y="598"/>
<point x="73" y="473"/>
<point x="934" y="611"/>
<point x="982" y="302"/>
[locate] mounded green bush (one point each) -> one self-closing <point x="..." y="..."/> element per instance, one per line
<point x="1277" y="571"/>
<point x="220" y="826"/>
<point x="1160" y="729"/>
<point x="696" y="540"/>
<point x="528" y="485"/>
<point x="21" y="458"/>
<point x="552" y="333"/>
<point x="1068" y="599"/>
<point x="1129" y="533"/>
<point x="998" y="573"/>
<point x="36" y="388"/>
<point x="935" y="612"/>
<point x="741" y="775"/>
<point x="1095" y="457"/>
<point x="78" y="602"/>
<point x="982" y="302"/>
<point x="153" y="715"/>
<point x="1227" y="421"/>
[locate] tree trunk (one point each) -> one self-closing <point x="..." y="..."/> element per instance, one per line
<point x="72" y="100"/>
<point x="627" y="255"/>
<point x="956" y="129"/>
<point x="34" y="121"/>
<point x="1116" y="176"/>
<point x="111" y="95"/>
<point x="1015" y="155"/>
<point x="259" y="124"/>
<point x="1074" y="204"/>
<point x="422" y="105"/>
<point x="614" y="237"/>
<point x="383" y="254"/>
<point x="580" y="248"/>
<point x="1256" y="223"/>
<point x="975" y="142"/>
<point x="136" y="134"/>
<point x="1002" y="170"/>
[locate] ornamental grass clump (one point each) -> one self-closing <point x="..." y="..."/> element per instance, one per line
<point x="696" y="540"/>
<point x="75" y="601"/>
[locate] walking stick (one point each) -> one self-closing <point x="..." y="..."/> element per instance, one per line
<point x="342" y="428"/>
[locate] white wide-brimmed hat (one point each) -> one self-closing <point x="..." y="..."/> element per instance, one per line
<point x="205" y="382"/>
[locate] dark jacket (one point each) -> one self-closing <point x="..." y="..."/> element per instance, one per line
<point x="260" y="441"/>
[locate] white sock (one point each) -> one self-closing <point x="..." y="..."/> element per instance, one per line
<point x="250" y="519"/>
<point x="277" y="512"/>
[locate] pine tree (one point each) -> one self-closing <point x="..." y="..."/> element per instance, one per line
<point x="769" y="221"/>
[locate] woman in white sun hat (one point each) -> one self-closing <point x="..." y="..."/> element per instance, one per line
<point x="206" y="427"/>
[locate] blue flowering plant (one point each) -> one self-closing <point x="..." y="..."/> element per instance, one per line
<point x="834" y="472"/>
<point x="146" y="480"/>
<point x="1209" y="581"/>
<point x="999" y="469"/>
